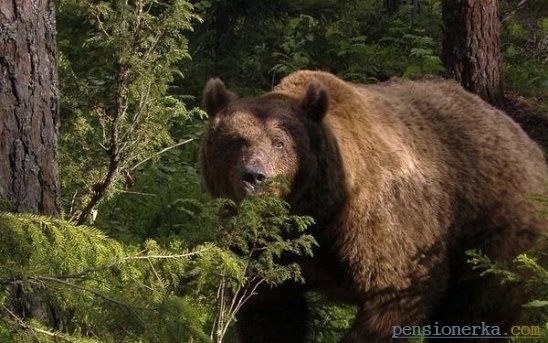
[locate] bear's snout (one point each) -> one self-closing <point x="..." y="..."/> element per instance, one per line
<point x="252" y="175"/>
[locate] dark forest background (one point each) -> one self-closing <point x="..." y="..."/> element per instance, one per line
<point x="132" y="249"/>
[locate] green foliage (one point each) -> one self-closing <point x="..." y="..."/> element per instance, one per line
<point x="165" y="201"/>
<point x="422" y="59"/>
<point x="537" y="274"/>
<point x="358" y="40"/>
<point x="256" y="248"/>
<point x="98" y="287"/>
<point x="256" y="43"/>
<point x="299" y="33"/>
<point x="262" y="232"/>
<point x="112" y="291"/>
<point x="525" y="52"/>
<point x="328" y="322"/>
<point x="127" y="60"/>
<point x="529" y="271"/>
<point x="117" y="61"/>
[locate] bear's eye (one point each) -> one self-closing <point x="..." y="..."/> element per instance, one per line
<point x="278" y="143"/>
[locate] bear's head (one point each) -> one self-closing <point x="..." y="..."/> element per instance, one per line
<point x="250" y="140"/>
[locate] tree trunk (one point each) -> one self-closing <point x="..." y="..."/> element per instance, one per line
<point x="29" y="108"/>
<point x="471" y="46"/>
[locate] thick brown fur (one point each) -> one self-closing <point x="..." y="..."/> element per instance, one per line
<point x="402" y="178"/>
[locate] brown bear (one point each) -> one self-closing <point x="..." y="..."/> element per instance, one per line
<point x="401" y="178"/>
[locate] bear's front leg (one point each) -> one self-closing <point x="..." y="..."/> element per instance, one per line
<point x="383" y="317"/>
<point x="278" y="314"/>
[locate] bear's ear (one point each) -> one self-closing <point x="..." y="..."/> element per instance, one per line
<point x="315" y="101"/>
<point x="216" y="96"/>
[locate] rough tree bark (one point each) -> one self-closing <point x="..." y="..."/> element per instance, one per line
<point x="471" y="46"/>
<point x="29" y="110"/>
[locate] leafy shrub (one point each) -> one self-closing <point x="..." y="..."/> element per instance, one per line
<point x="82" y="286"/>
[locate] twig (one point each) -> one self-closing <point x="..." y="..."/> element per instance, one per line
<point x="510" y="14"/>
<point x="136" y="117"/>
<point x="249" y="295"/>
<point x="159" y="153"/>
<point x="26" y="326"/>
<point x="101" y="189"/>
<point x="160" y="257"/>
<point x="101" y="27"/>
<point x="72" y="203"/>
<point x="83" y="273"/>
<point x="137" y="193"/>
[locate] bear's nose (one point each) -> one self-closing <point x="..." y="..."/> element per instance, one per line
<point x="253" y="175"/>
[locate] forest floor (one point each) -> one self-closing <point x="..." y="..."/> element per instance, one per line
<point x="526" y="113"/>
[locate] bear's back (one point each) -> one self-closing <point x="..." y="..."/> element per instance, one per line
<point x="471" y="150"/>
<point x="427" y="134"/>
<point x="478" y="142"/>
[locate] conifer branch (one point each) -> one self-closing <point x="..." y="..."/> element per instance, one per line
<point x="164" y="257"/>
<point x="85" y="272"/>
<point x="95" y="292"/>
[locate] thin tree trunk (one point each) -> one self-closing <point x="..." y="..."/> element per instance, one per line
<point x="471" y="46"/>
<point x="29" y="109"/>
<point x="392" y="6"/>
